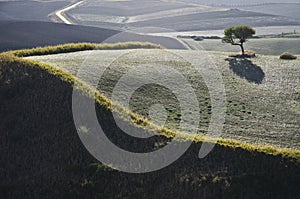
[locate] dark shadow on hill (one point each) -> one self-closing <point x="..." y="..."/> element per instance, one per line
<point x="29" y="34"/>
<point x="246" y="69"/>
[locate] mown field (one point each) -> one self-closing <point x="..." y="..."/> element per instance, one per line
<point x="262" y="102"/>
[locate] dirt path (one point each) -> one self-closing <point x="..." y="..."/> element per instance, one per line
<point x="60" y="13"/>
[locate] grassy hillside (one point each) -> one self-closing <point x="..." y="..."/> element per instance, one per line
<point x="42" y="155"/>
<point x="253" y="86"/>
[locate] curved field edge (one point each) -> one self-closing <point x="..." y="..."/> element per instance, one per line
<point x="137" y="120"/>
<point x="74" y="47"/>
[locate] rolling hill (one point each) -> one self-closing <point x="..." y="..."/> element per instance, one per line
<point x="42" y="151"/>
<point x="253" y="86"/>
<point x="42" y="156"/>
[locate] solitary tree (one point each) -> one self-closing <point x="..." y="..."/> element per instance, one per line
<point x="238" y="35"/>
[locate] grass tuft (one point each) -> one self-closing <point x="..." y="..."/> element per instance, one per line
<point x="288" y="56"/>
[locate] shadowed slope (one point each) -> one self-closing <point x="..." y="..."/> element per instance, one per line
<point x="18" y="35"/>
<point x="30" y="34"/>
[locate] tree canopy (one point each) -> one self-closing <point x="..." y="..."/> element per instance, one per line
<point x="238" y="35"/>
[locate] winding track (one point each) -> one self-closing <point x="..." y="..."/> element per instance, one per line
<point x="60" y="15"/>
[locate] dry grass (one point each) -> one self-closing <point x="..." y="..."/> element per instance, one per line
<point x="248" y="54"/>
<point x="73" y="47"/>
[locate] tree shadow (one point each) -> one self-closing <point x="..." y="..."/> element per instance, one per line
<point x="246" y="69"/>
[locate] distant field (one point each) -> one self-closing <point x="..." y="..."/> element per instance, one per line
<point x="216" y="20"/>
<point x="126" y="8"/>
<point x="236" y="2"/>
<point x="29" y="10"/>
<point x="29" y="34"/>
<point x="264" y="46"/>
<point x="260" y="31"/>
<point x="174" y="15"/>
<point x="262" y="104"/>
<point x="276" y="7"/>
<point x="284" y="9"/>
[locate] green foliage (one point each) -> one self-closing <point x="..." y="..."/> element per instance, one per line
<point x="216" y="179"/>
<point x="238" y="35"/>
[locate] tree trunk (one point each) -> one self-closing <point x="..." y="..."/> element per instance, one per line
<point x="243" y="50"/>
